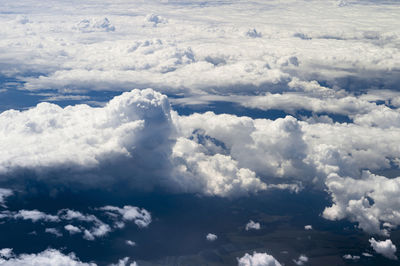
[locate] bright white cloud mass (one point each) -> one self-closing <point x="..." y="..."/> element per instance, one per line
<point x="258" y="259"/>
<point x="385" y="248"/>
<point x="180" y="98"/>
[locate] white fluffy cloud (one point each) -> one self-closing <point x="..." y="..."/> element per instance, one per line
<point x="371" y="201"/>
<point x="72" y="229"/>
<point x="135" y="133"/>
<point x="102" y="48"/>
<point x="251" y="225"/>
<point x="49" y="257"/>
<point x="54" y="231"/>
<point x="385" y="248"/>
<point x="303" y="259"/>
<point x="258" y="259"/>
<point x="211" y="237"/>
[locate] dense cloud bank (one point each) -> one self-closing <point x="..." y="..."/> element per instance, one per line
<point x="77" y="47"/>
<point x="136" y="138"/>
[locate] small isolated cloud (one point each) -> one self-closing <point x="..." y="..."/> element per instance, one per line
<point x="308" y="227"/>
<point x="49" y="257"/>
<point x="54" y="231"/>
<point x="130" y="243"/>
<point x="365" y="254"/>
<point x="385" y="248"/>
<point x="303" y="259"/>
<point x="351" y="257"/>
<point x="211" y="237"/>
<point x="258" y="259"/>
<point x="72" y="229"/>
<point x="251" y="225"/>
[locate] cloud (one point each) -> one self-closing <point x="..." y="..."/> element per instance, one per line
<point x="258" y="259"/>
<point x="370" y="201"/>
<point x="251" y="225"/>
<point x="54" y="231"/>
<point x="6" y="253"/>
<point x="135" y="126"/>
<point x="303" y="259"/>
<point x="93" y="51"/>
<point x="48" y="257"/>
<point x="136" y="134"/>
<point x="211" y="237"/>
<point x="350" y="257"/>
<point x="34" y="216"/>
<point x="154" y="19"/>
<point x="88" y="225"/>
<point x="308" y="227"/>
<point x="4" y="193"/>
<point x="130" y="243"/>
<point x="124" y="262"/>
<point x="140" y="217"/>
<point x="72" y="229"/>
<point x="385" y="248"/>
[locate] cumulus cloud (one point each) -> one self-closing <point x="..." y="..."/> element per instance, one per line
<point x="134" y="126"/>
<point x="136" y="132"/>
<point x="370" y="201"/>
<point x="72" y="229"/>
<point x="6" y="253"/>
<point x="385" y="248"/>
<point x="251" y="225"/>
<point x="48" y="257"/>
<point x="211" y="237"/>
<point x="258" y="259"/>
<point x="303" y="259"/>
<point x="94" y="45"/>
